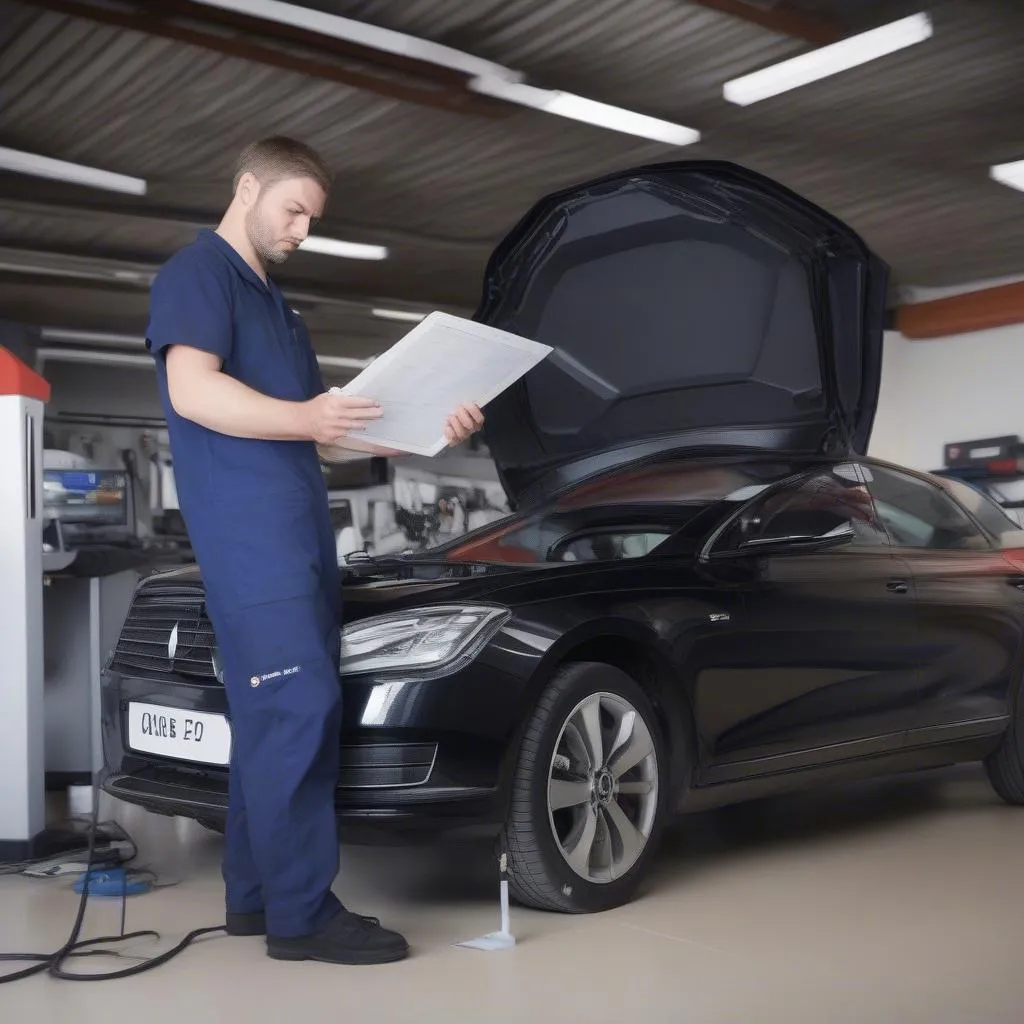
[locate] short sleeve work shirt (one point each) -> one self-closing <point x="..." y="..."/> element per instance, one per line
<point x="237" y="495"/>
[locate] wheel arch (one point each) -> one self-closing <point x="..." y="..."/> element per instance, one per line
<point x="633" y="649"/>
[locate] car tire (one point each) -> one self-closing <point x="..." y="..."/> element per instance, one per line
<point x="586" y="855"/>
<point x="1005" y="766"/>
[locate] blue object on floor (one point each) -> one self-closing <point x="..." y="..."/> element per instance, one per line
<point x="111" y="882"/>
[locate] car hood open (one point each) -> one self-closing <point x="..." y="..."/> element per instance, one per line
<point x="694" y="304"/>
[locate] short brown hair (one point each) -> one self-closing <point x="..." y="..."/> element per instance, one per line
<point x="278" y="157"/>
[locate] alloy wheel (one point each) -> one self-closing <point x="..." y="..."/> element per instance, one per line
<point x="602" y="790"/>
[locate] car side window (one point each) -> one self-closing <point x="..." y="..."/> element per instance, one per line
<point x="831" y="504"/>
<point x="919" y="514"/>
<point x="992" y="516"/>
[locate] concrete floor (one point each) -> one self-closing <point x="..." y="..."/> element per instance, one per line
<point x="893" y="901"/>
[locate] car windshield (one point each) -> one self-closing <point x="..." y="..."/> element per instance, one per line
<point x="628" y="514"/>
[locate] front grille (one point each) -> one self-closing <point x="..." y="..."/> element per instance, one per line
<point x="146" y="642"/>
<point x="363" y="766"/>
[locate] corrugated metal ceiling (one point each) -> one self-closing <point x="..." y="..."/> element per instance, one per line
<point x="900" y="147"/>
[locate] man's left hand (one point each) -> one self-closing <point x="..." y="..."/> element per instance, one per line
<point x="463" y="424"/>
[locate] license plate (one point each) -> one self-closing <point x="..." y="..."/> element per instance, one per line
<point x="196" y="736"/>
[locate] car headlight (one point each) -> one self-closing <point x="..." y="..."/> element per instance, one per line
<point x="424" y="639"/>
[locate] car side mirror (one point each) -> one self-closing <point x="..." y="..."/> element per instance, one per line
<point x="844" y="533"/>
<point x="799" y="528"/>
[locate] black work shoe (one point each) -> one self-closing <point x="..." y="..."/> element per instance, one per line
<point x="346" y="939"/>
<point x="246" y="924"/>
<point x="256" y="923"/>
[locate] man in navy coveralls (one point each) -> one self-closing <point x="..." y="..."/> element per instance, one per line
<point x="248" y="417"/>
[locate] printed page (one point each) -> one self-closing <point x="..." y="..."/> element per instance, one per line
<point x="442" y="363"/>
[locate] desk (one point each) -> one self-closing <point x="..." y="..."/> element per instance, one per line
<point x="82" y="619"/>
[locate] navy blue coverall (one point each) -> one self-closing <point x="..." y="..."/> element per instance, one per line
<point x="259" y="524"/>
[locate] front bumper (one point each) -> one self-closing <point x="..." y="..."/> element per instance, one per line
<point x="418" y="758"/>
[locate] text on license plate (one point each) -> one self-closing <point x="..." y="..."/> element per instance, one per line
<point x="185" y="735"/>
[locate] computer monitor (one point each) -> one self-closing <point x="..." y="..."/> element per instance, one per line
<point x="88" y="499"/>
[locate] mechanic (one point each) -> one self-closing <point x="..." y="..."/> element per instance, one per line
<point x="248" y="415"/>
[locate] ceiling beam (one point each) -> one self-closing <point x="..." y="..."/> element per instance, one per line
<point x="781" y="17"/>
<point x="22" y="197"/>
<point x="980" y="310"/>
<point x="137" y="274"/>
<point x="319" y="61"/>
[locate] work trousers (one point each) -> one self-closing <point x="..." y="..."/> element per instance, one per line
<point x="280" y="663"/>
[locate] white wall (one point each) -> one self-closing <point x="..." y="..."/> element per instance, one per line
<point x="948" y="389"/>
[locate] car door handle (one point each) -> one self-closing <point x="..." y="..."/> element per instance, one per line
<point x="897" y="586"/>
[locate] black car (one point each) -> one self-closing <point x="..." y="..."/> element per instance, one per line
<point x="705" y="592"/>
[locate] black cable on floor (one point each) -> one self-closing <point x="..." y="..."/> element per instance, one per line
<point x="54" y="963"/>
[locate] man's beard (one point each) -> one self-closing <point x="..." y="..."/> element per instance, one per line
<point x="259" y="238"/>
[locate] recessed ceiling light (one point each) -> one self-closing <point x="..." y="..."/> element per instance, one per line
<point x="1009" y="174"/>
<point x="347" y="250"/>
<point x="60" y="170"/>
<point x="399" y="314"/>
<point x="828" y="60"/>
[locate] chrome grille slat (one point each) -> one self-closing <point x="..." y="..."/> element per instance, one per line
<point x="144" y="638"/>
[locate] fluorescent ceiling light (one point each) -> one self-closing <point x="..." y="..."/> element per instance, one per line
<point x="77" y="355"/>
<point x="578" y="108"/>
<point x="77" y="337"/>
<point x="343" y="362"/>
<point x="374" y="36"/>
<point x="485" y="77"/>
<point x="399" y="314"/>
<point x="61" y="170"/>
<point x="348" y="250"/>
<point x="828" y="60"/>
<point x="1009" y="174"/>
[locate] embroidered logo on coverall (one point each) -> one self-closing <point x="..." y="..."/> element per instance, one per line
<point x="256" y="680"/>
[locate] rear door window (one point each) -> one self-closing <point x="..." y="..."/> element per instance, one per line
<point x="991" y="515"/>
<point x="919" y="514"/>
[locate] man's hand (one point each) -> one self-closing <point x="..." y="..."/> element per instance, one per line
<point x="463" y="424"/>
<point x="331" y="416"/>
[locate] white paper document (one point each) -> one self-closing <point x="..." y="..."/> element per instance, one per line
<point x="444" y="362"/>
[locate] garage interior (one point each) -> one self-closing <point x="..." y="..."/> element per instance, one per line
<point x="895" y="899"/>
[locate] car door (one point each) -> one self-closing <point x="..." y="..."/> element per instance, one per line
<point x="968" y="602"/>
<point x="823" y="662"/>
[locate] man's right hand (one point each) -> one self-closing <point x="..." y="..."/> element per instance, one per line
<point x="330" y="416"/>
